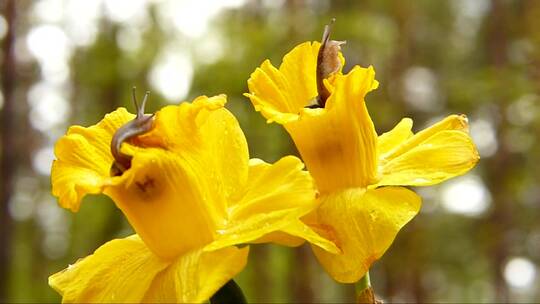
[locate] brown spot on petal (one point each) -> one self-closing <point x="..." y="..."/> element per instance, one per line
<point x="146" y="185"/>
<point x="327" y="232"/>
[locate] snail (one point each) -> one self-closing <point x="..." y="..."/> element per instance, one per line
<point x="328" y="63"/>
<point x="142" y="123"/>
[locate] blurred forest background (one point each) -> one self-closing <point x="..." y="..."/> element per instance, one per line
<point x="477" y="238"/>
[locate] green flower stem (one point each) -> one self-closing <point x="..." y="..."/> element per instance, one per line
<point x="363" y="283"/>
<point x="228" y="294"/>
<point x="364" y="292"/>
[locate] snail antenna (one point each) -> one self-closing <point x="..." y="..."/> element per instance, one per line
<point x="327" y="31"/>
<point x="140" y="111"/>
<point x="134" y="97"/>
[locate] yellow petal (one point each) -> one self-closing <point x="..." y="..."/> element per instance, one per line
<point x="83" y="159"/>
<point x="328" y="139"/>
<point x="184" y="171"/>
<point x="281" y="238"/>
<point x="164" y="202"/>
<point x="338" y="143"/>
<point x="442" y="156"/>
<point x="275" y="198"/>
<point x="205" y="130"/>
<point x="300" y="69"/>
<point x="269" y="83"/>
<point x="119" y="271"/>
<point x="363" y="224"/>
<point x="300" y="230"/>
<point x="393" y="138"/>
<point x="452" y="122"/>
<point x="281" y="94"/>
<point x="271" y="187"/>
<point x="196" y="276"/>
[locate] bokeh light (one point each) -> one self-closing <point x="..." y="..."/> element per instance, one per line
<point x="466" y="195"/>
<point x="520" y="273"/>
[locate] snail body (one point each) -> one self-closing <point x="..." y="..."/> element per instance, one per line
<point x="141" y="124"/>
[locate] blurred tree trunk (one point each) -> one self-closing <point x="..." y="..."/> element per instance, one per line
<point x="404" y="281"/>
<point x="501" y="164"/>
<point x="302" y="278"/>
<point x="8" y="145"/>
<point x="261" y="279"/>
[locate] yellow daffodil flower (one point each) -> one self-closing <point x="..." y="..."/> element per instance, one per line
<point x="358" y="173"/>
<point x="191" y="194"/>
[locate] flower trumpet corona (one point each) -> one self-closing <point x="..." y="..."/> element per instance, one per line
<point x="359" y="174"/>
<point x="185" y="183"/>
